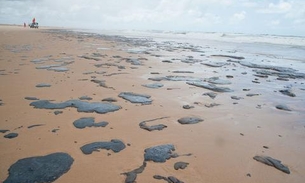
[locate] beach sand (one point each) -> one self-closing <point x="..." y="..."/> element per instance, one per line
<point x="222" y="146"/>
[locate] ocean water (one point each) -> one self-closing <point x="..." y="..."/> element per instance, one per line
<point x="282" y="50"/>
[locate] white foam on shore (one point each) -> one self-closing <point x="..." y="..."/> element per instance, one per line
<point x="223" y="37"/>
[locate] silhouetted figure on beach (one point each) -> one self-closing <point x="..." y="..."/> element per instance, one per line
<point x="33" y="21"/>
<point x="24" y="24"/>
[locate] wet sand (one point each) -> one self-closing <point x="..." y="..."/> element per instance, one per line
<point x="222" y="146"/>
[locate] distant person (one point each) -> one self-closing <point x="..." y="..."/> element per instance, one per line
<point x="33" y="20"/>
<point x="24" y="24"/>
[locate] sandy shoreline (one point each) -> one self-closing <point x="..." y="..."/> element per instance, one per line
<point x="222" y="146"/>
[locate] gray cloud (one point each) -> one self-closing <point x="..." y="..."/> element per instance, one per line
<point x="247" y="16"/>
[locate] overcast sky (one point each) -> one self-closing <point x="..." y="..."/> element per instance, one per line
<point x="283" y="17"/>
